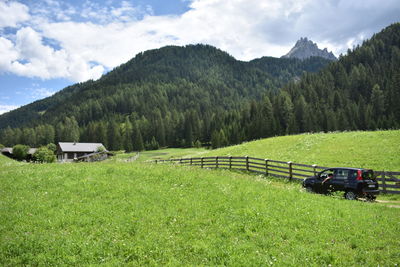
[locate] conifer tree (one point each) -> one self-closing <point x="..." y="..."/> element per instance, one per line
<point x="137" y="138"/>
<point x="128" y="136"/>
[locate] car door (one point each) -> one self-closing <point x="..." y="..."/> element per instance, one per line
<point x="323" y="185"/>
<point x="338" y="180"/>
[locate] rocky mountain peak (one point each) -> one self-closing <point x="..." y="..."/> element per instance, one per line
<point x="305" y="48"/>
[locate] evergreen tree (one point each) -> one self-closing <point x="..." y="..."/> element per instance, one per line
<point x="137" y="139"/>
<point x="188" y="133"/>
<point x="301" y="115"/>
<point x="215" y="140"/>
<point x="29" y="136"/>
<point x="378" y="102"/>
<point x="159" y="128"/>
<point x="268" y="120"/>
<point x="102" y="133"/>
<point x="114" y="136"/>
<point x="8" y="137"/>
<point x="288" y="119"/>
<point x="128" y="146"/>
<point x="49" y="134"/>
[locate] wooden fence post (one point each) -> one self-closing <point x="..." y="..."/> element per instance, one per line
<point x="230" y="162"/>
<point x="266" y="167"/>
<point x="290" y="170"/>
<point x="247" y="163"/>
<point x="383" y="182"/>
<point x="202" y="160"/>
<point x="216" y="162"/>
<point x="315" y="169"/>
<point x="191" y="161"/>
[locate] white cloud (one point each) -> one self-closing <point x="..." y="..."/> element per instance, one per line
<point x="92" y="38"/>
<point x="12" y="13"/>
<point x="8" y="54"/>
<point x="30" y="57"/>
<point x="6" y="108"/>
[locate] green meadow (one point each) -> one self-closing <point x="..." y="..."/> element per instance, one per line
<point x="379" y="150"/>
<point x="167" y="153"/>
<point x="139" y="214"/>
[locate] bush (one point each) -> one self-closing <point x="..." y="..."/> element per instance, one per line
<point x="43" y="154"/>
<point x="1" y="146"/>
<point x="153" y="145"/>
<point x="197" y="144"/>
<point x="20" y="152"/>
<point x="100" y="149"/>
<point x="52" y="147"/>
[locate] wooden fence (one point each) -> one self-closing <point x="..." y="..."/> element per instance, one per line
<point x="388" y="182"/>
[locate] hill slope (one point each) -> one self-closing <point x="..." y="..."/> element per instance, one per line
<point x="196" y="76"/>
<point x="379" y="150"/>
<point x="163" y="87"/>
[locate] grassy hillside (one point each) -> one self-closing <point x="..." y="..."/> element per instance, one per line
<point x="379" y="150"/>
<point x="141" y="214"/>
<point x="166" y="153"/>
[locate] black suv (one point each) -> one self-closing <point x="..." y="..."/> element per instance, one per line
<point x="354" y="182"/>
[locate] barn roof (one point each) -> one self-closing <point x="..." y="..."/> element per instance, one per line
<point x="6" y="150"/>
<point x="80" y="147"/>
<point x="9" y="150"/>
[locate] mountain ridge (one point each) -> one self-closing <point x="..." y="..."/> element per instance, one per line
<point x="198" y="95"/>
<point x="196" y="64"/>
<point x="305" y="48"/>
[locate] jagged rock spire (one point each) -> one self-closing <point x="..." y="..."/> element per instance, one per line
<point x="305" y="48"/>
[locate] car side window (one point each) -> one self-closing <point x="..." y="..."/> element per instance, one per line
<point x="341" y="174"/>
<point x="352" y="175"/>
<point x="325" y="173"/>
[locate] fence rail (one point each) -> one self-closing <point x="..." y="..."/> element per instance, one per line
<point x="389" y="182"/>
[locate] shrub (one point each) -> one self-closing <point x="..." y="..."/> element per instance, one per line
<point x="100" y="149"/>
<point x="20" y="152"/>
<point x="43" y="154"/>
<point x="197" y="144"/>
<point x="52" y="147"/>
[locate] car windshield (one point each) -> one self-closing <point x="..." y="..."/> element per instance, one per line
<point x="368" y="175"/>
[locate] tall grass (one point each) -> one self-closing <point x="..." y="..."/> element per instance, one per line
<point x="140" y="214"/>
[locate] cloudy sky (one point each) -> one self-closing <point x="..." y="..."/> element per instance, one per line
<point x="46" y="45"/>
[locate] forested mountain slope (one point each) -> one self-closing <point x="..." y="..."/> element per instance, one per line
<point x="159" y="93"/>
<point x="185" y="96"/>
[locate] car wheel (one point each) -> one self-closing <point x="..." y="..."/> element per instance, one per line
<point x="350" y="195"/>
<point x="371" y="198"/>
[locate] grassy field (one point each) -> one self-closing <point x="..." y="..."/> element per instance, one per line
<point x="379" y="150"/>
<point x="117" y="213"/>
<point x="167" y="153"/>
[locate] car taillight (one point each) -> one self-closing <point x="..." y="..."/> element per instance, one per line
<point x="359" y="177"/>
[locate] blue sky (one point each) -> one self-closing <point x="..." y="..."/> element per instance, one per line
<point x="46" y="45"/>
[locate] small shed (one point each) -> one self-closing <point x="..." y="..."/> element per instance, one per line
<point x="70" y="151"/>
<point x="8" y="151"/>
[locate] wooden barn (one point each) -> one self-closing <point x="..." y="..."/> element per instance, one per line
<point x="73" y="151"/>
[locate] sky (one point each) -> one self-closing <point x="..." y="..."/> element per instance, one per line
<point x="46" y="45"/>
